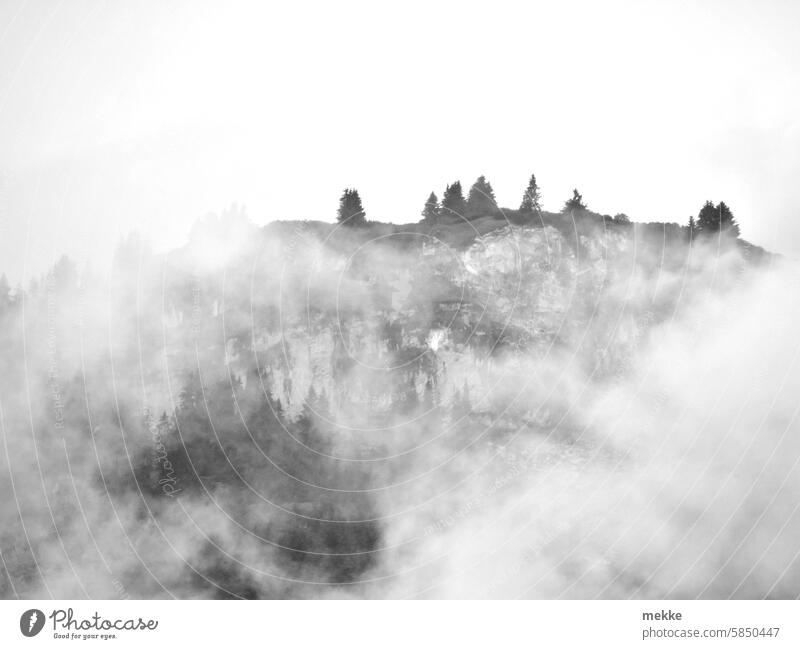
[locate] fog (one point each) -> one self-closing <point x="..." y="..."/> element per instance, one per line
<point x="302" y="410"/>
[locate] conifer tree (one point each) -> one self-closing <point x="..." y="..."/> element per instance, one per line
<point x="727" y="223"/>
<point x="531" y="199"/>
<point x="431" y="210"/>
<point x="351" y="212"/>
<point x="707" y="219"/>
<point x="574" y="204"/>
<point x="716" y="218"/>
<point x="481" y="199"/>
<point x="453" y="202"/>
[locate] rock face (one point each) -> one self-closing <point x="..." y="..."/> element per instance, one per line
<point x="383" y="325"/>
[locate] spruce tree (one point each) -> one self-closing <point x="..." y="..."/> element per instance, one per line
<point x="351" y="212"/>
<point x="481" y="199"/>
<point x="707" y="218"/>
<point x="574" y="204"/>
<point x="453" y="202"/>
<point x="716" y="218"/>
<point x="431" y="210"/>
<point x="531" y="199"/>
<point x="727" y="223"/>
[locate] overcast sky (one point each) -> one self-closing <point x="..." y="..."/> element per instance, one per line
<point x="150" y="114"/>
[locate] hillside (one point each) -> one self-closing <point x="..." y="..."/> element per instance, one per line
<point x="269" y="408"/>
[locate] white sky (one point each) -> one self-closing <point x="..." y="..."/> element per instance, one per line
<point x="150" y="114"/>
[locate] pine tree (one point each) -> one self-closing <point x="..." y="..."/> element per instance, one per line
<point x="531" y="199"/>
<point x="692" y="233"/>
<point x="453" y="202"/>
<point x="351" y="212"/>
<point x="574" y="204"/>
<point x="431" y="210"/>
<point x="727" y="223"/>
<point x="481" y="199"/>
<point x="707" y="218"/>
<point x="716" y="218"/>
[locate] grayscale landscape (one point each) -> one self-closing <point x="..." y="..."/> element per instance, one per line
<point x="453" y="301"/>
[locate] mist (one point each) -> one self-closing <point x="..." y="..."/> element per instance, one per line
<point x="561" y="409"/>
